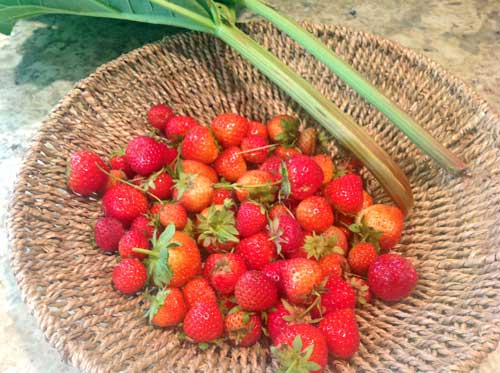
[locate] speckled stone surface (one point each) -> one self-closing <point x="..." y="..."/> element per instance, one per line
<point x="43" y="58"/>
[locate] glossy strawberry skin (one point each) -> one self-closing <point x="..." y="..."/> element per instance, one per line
<point x="173" y="310"/>
<point x="119" y="162"/>
<point x="220" y="195"/>
<point x="274" y="271"/>
<point x="130" y="240"/>
<point x="177" y="127"/>
<point x="107" y="233"/>
<point x="230" y="164"/>
<point x="124" y="203"/>
<point x="305" y="176"/>
<point x="199" y="145"/>
<point x="272" y="165"/>
<point x="251" y="179"/>
<point x="339" y="294"/>
<point x="386" y="219"/>
<point x="204" y="322"/>
<point x="300" y="277"/>
<point x="158" y="115"/>
<point x="257" y="128"/>
<point x="341" y="332"/>
<point x="274" y="127"/>
<point x="163" y="184"/>
<point x="292" y="236"/>
<point x="314" y="214"/>
<point x="339" y="235"/>
<point x="241" y="332"/>
<point x="332" y="265"/>
<point x="173" y="213"/>
<point x="229" y="129"/>
<point x="250" y="219"/>
<point x="85" y="177"/>
<point x="143" y="225"/>
<point x="145" y="155"/>
<point x="326" y="165"/>
<point x="129" y="276"/>
<point x="198" y="290"/>
<point x="257" y="250"/>
<point x="345" y="193"/>
<point x="195" y="167"/>
<point x="223" y="271"/>
<point x="197" y="196"/>
<point x="255" y="292"/>
<point x="276" y="319"/>
<point x="360" y="257"/>
<point x="258" y="143"/>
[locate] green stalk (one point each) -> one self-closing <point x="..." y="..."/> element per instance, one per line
<point x="340" y="125"/>
<point x="418" y="135"/>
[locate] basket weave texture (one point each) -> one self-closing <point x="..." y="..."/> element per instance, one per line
<point x="451" y="321"/>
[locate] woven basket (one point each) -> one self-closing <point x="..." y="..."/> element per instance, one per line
<point x="451" y="321"/>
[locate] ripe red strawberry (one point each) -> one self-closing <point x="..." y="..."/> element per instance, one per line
<point x="340" y="237"/>
<point x="392" y="277"/>
<point x="278" y="210"/>
<point x="360" y="257"/>
<point x="84" y="175"/>
<point x="143" y="225"/>
<point x="300" y="277"/>
<point x="307" y="141"/>
<point x="130" y="240"/>
<point x="195" y="167"/>
<point x="285" y="153"/>
<point x="274" y="271"/>
<point x="250" y="219"/>
<point x="257" y="128"/>
<point x="363" y="293"/>
<point x="338" y="295"/>
<point x="304" y="175"/>
<point x="119" y="162"/>
<point x="301" y="348"/>
<point x="145" y="155"/>
<point x="290" y="236"/>
<point x="326" y="165"/>
<point x="385" y="219"/>
<point x="155" y="209"/>
<point x="161" y="185"/>
<point x="282" y="316"/>
<point x="333" y="265"/>
<point x="107" y="233"/>
<point x="223" y="270"/>
<point x="158" y="115"/>
<point x="283" y="129"/>
<point x="230" y="164"/>
<point x="184" y="260"/>
<point x="220" y="195"/>
<point x="168" y="308"/>
<point x="257" y="250"/>
<point x="173" y="213"/>
<point x="258" y="143"/>
<point x="341" y="332"/>
<point x="177" y="127"/>
<point x="345" y="193"/>
<point x="194" y="192"/>
<point x="199" y="145"/>
<point x="124" y="203"/>
<point x="229" y="129"/>
<point x="198" y="290"/>
<point x="115" y="177"/>
<point x="255" y="292"/>
<point x="257" y="185"/>
<point x="204" y="322"/>
<point x="129" y="276"/>
<point x="272" y="165"/>
<point x="314" y="214"/>
<point x="243" y="328"/>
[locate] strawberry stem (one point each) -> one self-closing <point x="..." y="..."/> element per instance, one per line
<point x="257" y="149"/>
<point x="145" y="252"/>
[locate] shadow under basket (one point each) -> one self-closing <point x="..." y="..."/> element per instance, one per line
<point x="449" y="323"/>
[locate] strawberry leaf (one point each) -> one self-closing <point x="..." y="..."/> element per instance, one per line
<point x="156" y="303"/>
<point x="286" y="188"/>
<point x="290" y="133"/>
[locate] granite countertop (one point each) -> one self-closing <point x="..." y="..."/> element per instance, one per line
<point x="43" y="58"/>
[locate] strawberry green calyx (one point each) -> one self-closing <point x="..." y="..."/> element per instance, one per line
<point x="219" y="226"/>
<point x="183" y="183"/>
<point x="317" y="246"/>
<point x="288" y="138"/>
<point x="285" y="188"/>
<point x="365" y="233"/>
<point x="156" y="302"/>
<point x="293" y="359"/>
<point x="275" y="233"/>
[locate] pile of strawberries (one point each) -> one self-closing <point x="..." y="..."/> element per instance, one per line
<point x="239" y="229"/>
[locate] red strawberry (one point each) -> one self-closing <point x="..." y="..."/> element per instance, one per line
<point x="168" y="308"/>
<point x="243" y="328"/>
<point x="385" y="219"/>
<point x="258" y="143"/>
<point x="226" y="303"/>
<point x="177" y="127"/>
<point x="257" y="185"/>
<point x="107" y="233"/>
<point x="272" y="165"/>
<point x="392" y="277"/>
<point x="145" y="155"/>
<point x="278" y="210"/>
<point x="340" y="237"/>
<point x="124" y="203"/>
<point x="255" y="292"/>
<point x="326" y="165"/>
<point x="290" y="235"/>
<point x="158" y="116"/>
<point x="341" y="332"/>
<point x="363" y="293"/>
<point x="367" y="200"/>
<point x="195" y="167"/>
<point x="115" y="177"/>
<point x="339" y="294"/>
<point x="314" y="214"/>
<point x="204" y="322"/>
<point x="301" y="348"/>
<point x="230" y="164"/>
<point x="84" y="175"/>
<point x="198" y="290"/>
<point x="250" y="219"/>
<point x="130" y="240"/>
<point x="199" y="145"/>
<point x="257" y="128"/>
<point x="257" y="250"/>
<point x="345" y="193"/>
<point x="285" y="153"/>
<point x="333" y="265"/>
<point x="194" y="192"/>
<point x="283" y="129"/>
<point x="161" y="185"/>
<point x="300" y="277"/>
<point x="143" y="225"/>
<point x="173" y="213"/>
<point x="229" y="129"/>
<point x="360" y="257"/>
<point x="223" y="270"/>
<point x="274" y="271"/>
<point x="129" y="276"/>
<point x="220" y="195"/>
<point x="304" y="175"/>
<point x="119" y="162"/>
<point x="282" y="316"/>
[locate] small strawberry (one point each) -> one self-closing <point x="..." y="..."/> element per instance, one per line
<point x="304" y="175"/>
<point x="254" y="149"/>
<point x="284" y="153"/>
<point x="198" y="290"/>
<point x="158" y="115"/>
<point x="314" y="214"/>
<point x="230" y="164"/>
<point x="177" y="127"/>
<point x="115" y="177"/>
<point x="199" y="145"/>
<point x="283" y="129"/>
<point x="392" y="277"/>
<point x="160" y="185"/>
<point x="216" y="228"/>
<point x="339" y="235"/>
<point x="124" y="203"/>
<point x="107" y="233"/>
<point x="289" y="235"/>
<point x="338" y="295"/>
<point x="333" y="265"/>
<point x="130" y="240"/>
<point x="229" y="129"/>
<point x="221" y="195"/>
<point x="300" y="278"/>
<point x="195" y="167"/>
<point x="243" y="328"/>
<point x="345" y="193"/>
<point x="385" y="219"/>
<point x="278" y="210"/>
<point x="307" y="141"/>
<point x="129" y="276"/>
<point x="341" y="332"/>
<point x="223" y="270"/>
<point x="173" y="213"/>
<point x="257" y="128"/>
<point x="145" y="155"/>
<point x="282" y="316"/>
<point x="143" y="225"/>
<point x="274" y="271"/>
<point x="194" y="192"/>
<point x="119" y="162"/>
<point x="273" y="166"/>
<point x="250" y="219"/>
<point x="361" y="256"/>
<point x="301" y="348"/>
<point x="85" y="175"/>
<point x="255" y="292"/>
<point x="204" y="322"/>
<point x="326" y="165"/>
<point x="257" y="250"/>
<point x="167" y="308"/>
<point x="257" y="185"/>
<point x="363" y="293"/>
<point x="367" y="200"/>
